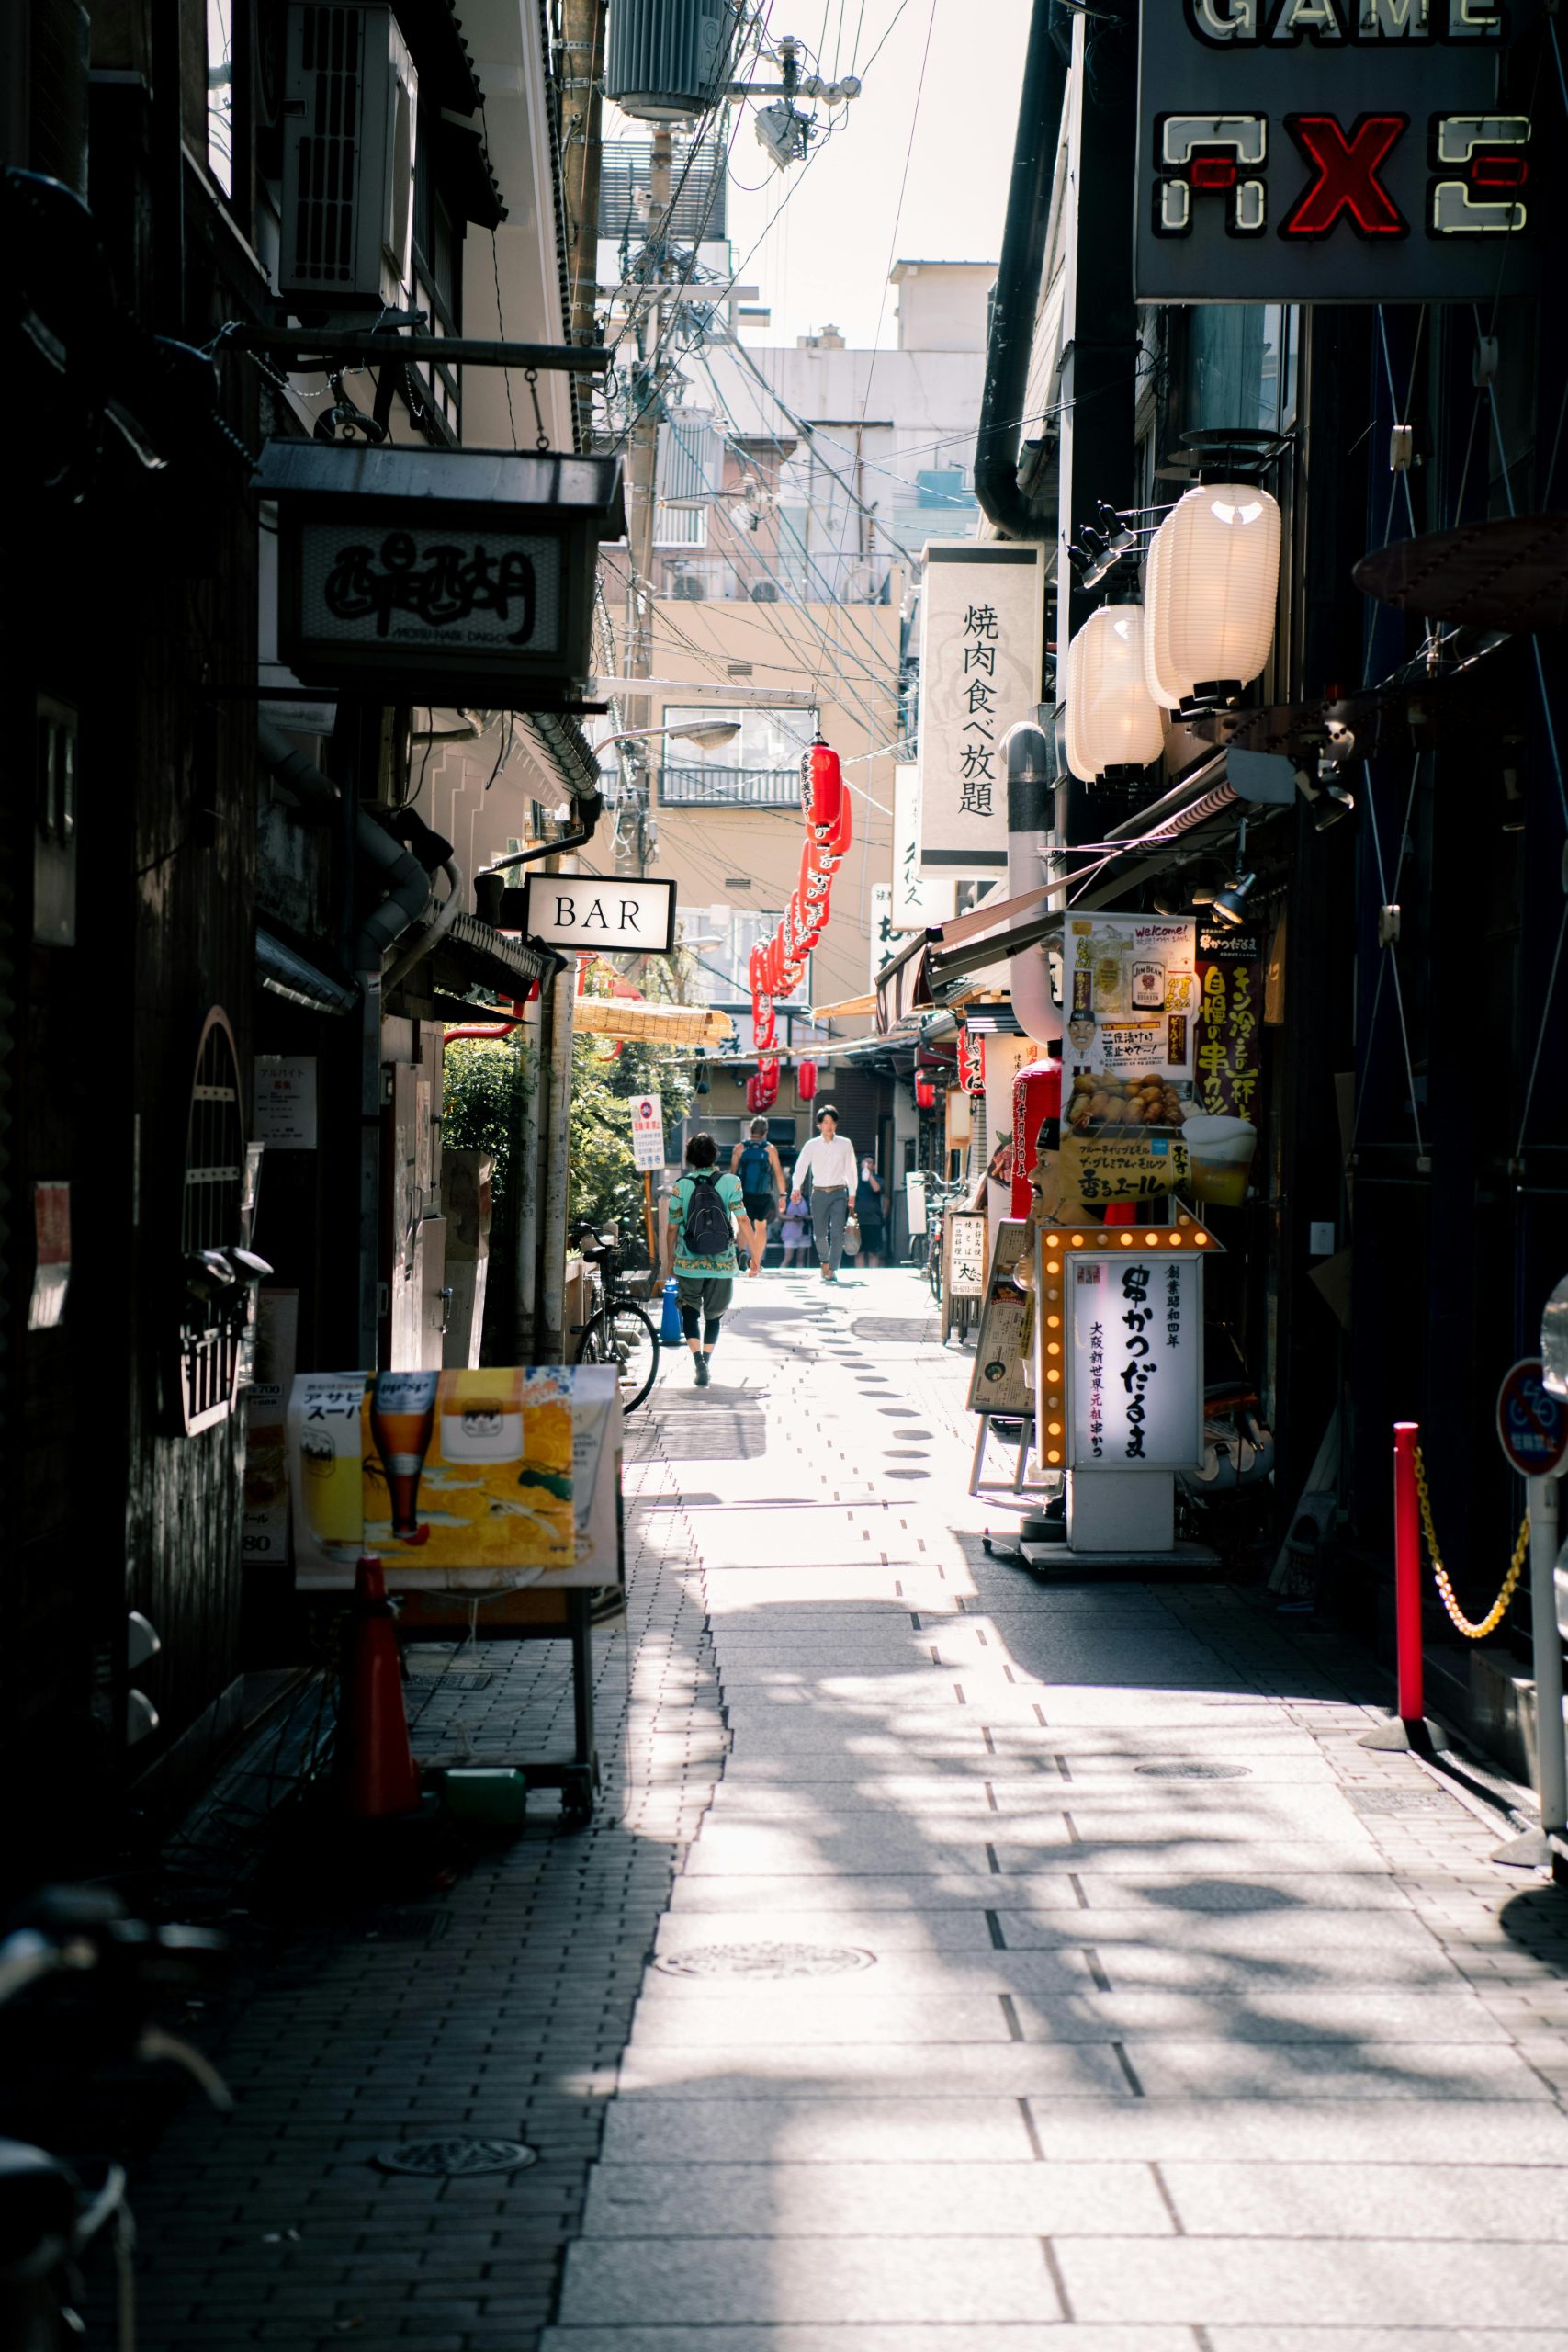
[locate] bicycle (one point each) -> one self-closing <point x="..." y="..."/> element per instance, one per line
<point x="620" y="1331"/>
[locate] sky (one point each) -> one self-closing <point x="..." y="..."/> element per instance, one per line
<point x="918" y="172"/>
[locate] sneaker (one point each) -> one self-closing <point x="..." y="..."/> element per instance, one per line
<point x="701" y="1364"/>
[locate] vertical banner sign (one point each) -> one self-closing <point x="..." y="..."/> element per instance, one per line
<point x="1137" y="1368"/>
<point x="883" y="943"/>
<point x="1230" y="1016"/>
<point x="1342" y="150"/>
<point x="981" y="641"/>
<point x="920" y="900"/>
<point x="647" y="1134"/>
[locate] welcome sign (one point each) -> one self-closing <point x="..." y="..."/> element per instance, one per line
<point x="1340" y="151"/>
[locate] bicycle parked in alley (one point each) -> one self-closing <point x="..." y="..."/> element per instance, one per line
<point x="619" y="1330"/>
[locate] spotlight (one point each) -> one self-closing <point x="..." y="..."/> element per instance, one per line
<point x="1230" y="904"/>
<point x="1121" y="539"/>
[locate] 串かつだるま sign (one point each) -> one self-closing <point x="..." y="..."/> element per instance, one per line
<point x="593" y="911"/>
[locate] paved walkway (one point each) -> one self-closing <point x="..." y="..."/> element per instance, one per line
<point x="1052" y="1970"/>
<point x="956" y="1965"/>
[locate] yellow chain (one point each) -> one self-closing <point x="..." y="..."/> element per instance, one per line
<point x="1477" y="1630"/>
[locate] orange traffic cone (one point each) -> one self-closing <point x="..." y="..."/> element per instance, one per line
<point x="376" y="1768"/>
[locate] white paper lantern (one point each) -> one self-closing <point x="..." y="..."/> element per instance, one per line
<point x="1209" y="591"/>
<point x="1113" y="721"/>
<point x="1068" y="689"/>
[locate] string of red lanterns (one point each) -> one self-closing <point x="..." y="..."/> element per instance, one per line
<point x="778" y="965"/>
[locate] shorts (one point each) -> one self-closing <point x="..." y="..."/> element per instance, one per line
<point x="761" y="1207"/>
<point x="708" y="1295"/>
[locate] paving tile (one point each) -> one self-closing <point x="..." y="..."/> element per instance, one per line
<point x="1447" y="2203"/>
<point x="841" y="2281"/>
<point x="793" y="2131"/>
<point x="1329" y="2283"/>
<point x="937" y="2070"/>
<point x="997" y="2335"/>
<point x="942" y="2198"/>
<point x="1317" y="2132"/>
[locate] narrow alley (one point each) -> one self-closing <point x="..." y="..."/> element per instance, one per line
<point x="1025" y="1965"/>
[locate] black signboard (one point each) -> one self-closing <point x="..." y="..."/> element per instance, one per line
<point x="1340" y="151"/>
<point x="451" y="576"/>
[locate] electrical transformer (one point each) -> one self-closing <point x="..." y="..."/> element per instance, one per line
<point x="669" y="59"/>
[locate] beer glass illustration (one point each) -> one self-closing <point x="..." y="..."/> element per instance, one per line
<point x="332" y="1489"/>
<point x="403" y="1422"/>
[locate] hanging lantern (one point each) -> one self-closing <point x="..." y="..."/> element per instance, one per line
<point x="774" y="954"/>
<point x="1115" y="727"/>
<point x="823" y="784"/>
<point x="1210" y="593"/>
<point x="925" y="1093"/>
<point x="805" y="1081"/>
<point x="754" y="1100"/>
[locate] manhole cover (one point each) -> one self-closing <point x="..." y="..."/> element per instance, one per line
<point x="1402" y="1800"/>
<point x="768" y="1960"/>
<point x="460" y="1681"/>
<point x="1194" y="1771"/>
<point x="454" y="2159"/>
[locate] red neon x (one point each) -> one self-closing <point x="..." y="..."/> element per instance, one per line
<point x="1346" y="175"/>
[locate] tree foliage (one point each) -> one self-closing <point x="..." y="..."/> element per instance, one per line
<point x="604" y="1182"/>
<point x="488" y="1085"/>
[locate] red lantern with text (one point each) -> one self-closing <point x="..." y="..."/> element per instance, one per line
<point x="824" y="782"/>
<point x="971" y="1063"/>
<point x="925" y="1093"/>
<point x="805" y="1081"/>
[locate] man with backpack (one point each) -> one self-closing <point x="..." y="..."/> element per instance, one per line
<point x="756" y="1163"/>
<point x="707" y="1210"/>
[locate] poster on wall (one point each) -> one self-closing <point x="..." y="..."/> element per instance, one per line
<point x="1131" y="985"/>
<point x="1136" y="1364"/>
<point x="466" y="1481"/>
<point x="982" y="634"/>
<point x="1001" y="1381"/>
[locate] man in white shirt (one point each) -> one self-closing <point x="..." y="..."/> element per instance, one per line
<point x="830" y="1162"/>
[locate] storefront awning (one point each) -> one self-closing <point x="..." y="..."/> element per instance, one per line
<point x="903" y="986"/>
<point x="849" y="1008"/>
<point x="652" y="1025"/>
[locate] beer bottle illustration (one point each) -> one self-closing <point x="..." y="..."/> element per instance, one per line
<point x="402" y="1421"/>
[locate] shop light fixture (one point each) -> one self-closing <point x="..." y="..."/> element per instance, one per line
<point x="1230" y="904"/>
<point x="1209" y="590"/>
<point x="1115" y="728"/>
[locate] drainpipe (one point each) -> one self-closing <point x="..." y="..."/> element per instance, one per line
<point x="550" y="1335"/>
<point x="399" y="871"/>
<point x="1017" y="296"/>
<point x="1030" y="768"/>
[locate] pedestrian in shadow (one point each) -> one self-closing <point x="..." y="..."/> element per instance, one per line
<point x="707" y="1215"/>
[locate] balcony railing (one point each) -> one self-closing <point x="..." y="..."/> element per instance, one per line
<point x="715" y="788"/>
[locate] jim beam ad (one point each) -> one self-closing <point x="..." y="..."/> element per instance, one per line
<point x="1135" y="1121"/>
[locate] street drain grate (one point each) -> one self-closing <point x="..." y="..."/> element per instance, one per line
<point x="454" y="2159"/>
<point x="1194" y="1771"/>
<point x="479" y="1679"/>
<point x="768" y="1960"/>
<point x="1396" y="1801"/>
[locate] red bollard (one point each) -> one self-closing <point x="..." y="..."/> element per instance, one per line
<point x="1407" y="1573"/>
<point x="1411" y="1728"/>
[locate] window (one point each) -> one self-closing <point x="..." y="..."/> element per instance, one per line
<point x="1241" y="366"/>
<point x="758" y="768"/>
<point x="221" y="93"/>
<point x="722" y="939"/>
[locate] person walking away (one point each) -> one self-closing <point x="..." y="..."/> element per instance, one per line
<point x="707" y="1212"/>
<point x="869" y="1212"/>
<point x="829" y="1161"/>
<point x="795" y="1234"/>
<point x="756" y="1163"/>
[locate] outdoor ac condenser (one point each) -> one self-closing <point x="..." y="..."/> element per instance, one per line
<point x="350" y="102"/>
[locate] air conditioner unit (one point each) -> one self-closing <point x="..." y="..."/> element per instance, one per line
<point x="688" y="586"/>
<point x="351" y="98"/>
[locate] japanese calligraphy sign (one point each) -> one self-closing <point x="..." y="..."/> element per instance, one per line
<point x="1136" y="1378"/>
<point x="1338" y="150"/>
<point x="1127" y="1087"/>
<point x="1230" y="1016"/>
<point x="469" y="1481"/>
<point x="981" y="641"/>
<point x="919" y="899"/>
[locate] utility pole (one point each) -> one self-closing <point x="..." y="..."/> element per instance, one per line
<point x="642" y="467"/>
<point x="583" y="58"/>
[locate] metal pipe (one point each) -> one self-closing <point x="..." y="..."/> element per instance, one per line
<point x="588" y="815"/>
<point x="1407" y="1576"/>
<point x="435" y="929"/>
<point x="1031" y="774"/>
<point x="524" y="1207"/>
<point x="551" y="1334"/>
<point x="1016" y="294"/>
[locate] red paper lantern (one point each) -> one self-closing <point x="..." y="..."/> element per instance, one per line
<point x="805" y="1081"/>
<point x="754" y="1100"/>
<point x="824" y="790"/>
<point x="925" y="1094"/>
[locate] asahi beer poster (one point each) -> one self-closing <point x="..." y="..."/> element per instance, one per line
<point x="981" y="642"/>
<point x="1136" y="1363"/>
<point x="466" y="1479"/>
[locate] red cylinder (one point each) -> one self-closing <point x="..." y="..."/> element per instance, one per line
<point x="925" y="1094"/>
<point x="1408" y="1574"/>
<point x="805" y="1081"/>
<point x="825" y="794"/>
<point x="1036" y="1109"/>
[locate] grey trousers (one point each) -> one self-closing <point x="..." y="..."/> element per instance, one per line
<point x="829" y="1211"/>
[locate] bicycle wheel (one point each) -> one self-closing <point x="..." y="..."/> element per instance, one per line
<point x="592" y="1340"/>
<point x="933" y="1265"/>
<point x="634" y="1350"/>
